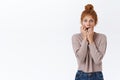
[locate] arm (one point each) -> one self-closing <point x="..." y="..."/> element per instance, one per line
<point x="80" y="50"/>
<point x="97" y="53"/>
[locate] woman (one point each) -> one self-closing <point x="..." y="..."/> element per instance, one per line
<point x="89" y="47"/>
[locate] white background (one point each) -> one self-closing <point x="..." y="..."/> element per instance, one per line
<point x="35" y="38"/>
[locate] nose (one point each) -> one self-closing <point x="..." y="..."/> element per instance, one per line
<point x="88" y="24"/>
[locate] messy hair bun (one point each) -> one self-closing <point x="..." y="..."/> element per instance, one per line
<point x="89" y="7"/>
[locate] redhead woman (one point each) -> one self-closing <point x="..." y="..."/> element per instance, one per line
<point x="89" y="47"/>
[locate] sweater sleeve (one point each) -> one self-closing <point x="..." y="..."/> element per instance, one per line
<point x="80" y="49"/>
<point x="97" y="52"/>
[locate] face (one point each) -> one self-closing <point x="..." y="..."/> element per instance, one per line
<point x="88" y="22"/>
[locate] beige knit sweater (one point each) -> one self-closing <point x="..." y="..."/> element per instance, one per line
<point x="89" y="56"/>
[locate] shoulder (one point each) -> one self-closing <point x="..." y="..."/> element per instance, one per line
<point x="101" y="35"/>
<point x="77" y="36"/>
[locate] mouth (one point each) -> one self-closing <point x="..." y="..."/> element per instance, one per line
<point x="87" y="28"/>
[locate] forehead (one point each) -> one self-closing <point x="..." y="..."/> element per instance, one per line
<point x="88" y="17"/>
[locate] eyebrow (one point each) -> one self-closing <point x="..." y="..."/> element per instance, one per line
<point x="89" y="20"/>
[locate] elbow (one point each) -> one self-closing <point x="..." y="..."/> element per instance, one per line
<point x="80" y="58"/>
<point x="98" y="60"/>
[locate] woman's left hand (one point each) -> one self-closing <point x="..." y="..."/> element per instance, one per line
<point x="90" y="34"/>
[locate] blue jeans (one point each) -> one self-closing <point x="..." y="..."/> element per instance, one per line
<point x="80" y="75"/>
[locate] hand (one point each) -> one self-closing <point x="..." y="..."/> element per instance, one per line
<point x="90" y="34"/>
<point x="84" y="32"/>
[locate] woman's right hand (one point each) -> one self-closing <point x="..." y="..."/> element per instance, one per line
<point x="84" y="32"/>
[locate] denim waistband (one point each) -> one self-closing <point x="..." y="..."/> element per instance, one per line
<point x="90" y="73"/>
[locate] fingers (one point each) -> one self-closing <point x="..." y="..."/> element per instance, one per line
<point x="90" y="30"/>
<point x="83" y="28"/>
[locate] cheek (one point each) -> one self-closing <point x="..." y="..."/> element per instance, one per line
<point x="84" y="23"/>
<point x="92" y="24"/>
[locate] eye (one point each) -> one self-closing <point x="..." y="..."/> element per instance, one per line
<point x="85" y="20"/>
<point x="91" y="20"/>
